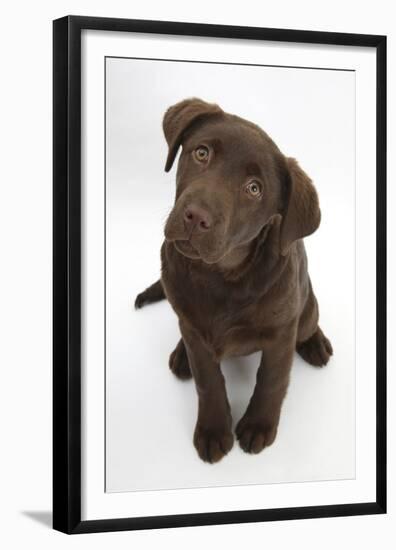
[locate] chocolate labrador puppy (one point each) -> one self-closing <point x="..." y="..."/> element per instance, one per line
<point x="234" y="269"/>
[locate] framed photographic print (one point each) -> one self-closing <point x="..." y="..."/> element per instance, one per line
<point x="219" y="274"/>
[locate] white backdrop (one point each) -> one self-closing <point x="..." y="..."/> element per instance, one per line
<point x="150" y="416"/>
<point x="26" y="273"/>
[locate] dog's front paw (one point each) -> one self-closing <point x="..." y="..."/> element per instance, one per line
<point x="255" y="434"/>
<point x="178" y="362"/>
<point x="211" y="443"/>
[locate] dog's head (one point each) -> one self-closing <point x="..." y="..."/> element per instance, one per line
<point x="231" y="181"/>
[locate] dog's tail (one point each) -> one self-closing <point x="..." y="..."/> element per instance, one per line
<point x="153" y="293"/>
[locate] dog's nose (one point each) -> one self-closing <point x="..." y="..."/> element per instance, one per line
<point x="196" y="217"/>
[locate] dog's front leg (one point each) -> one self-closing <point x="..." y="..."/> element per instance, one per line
<point x="213" y="437"/>
<point x="258" y="426"/>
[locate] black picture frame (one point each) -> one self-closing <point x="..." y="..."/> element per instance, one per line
<point x="67" y="273"/>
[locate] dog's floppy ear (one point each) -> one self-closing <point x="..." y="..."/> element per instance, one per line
<point x="302" y="213"/>
<point x="179" y="117"/>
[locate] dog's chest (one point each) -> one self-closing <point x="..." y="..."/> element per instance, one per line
<point x="230" y="323"/>
<point x="240" y="329"/>
<point x="231" y="319"/>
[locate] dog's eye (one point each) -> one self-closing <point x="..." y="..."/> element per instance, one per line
<point x="201" y="153"/>
<point x="253" y="188"/>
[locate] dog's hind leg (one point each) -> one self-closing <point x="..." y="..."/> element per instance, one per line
<point x="178" y="362"/>
<point x="312" y="344"/>
<point x="153" y="293"/>
<point x="317" y="350"/>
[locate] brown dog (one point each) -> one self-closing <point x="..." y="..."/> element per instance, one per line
<point x="234" y="269"/>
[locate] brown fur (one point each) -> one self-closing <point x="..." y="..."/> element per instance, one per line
<point x="234" y="269"/>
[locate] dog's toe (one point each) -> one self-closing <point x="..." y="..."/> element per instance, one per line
<point x="255" y="435"/>
<point x="212" y="444"/>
